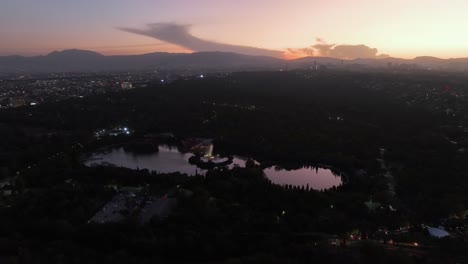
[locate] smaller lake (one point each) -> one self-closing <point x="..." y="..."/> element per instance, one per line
<point x="315" y="178"/>
<point x="169" y="159"/>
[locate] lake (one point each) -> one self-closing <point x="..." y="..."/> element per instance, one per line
<point x="169" y="159"/>
<point x="315" y="178"/>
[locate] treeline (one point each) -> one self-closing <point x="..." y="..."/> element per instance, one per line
<point x="229" y="215"/>
<point x="290" y="119"/>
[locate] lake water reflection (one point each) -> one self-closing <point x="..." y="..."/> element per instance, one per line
<point x="315" y="178"/>
<point x="168" y="159"/>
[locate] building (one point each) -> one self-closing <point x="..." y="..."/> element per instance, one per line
<point x="127" y="86"/>
<point x="437" y="232"/>
<point x="159" y="208"/>
<point x="199" y="146"/>
<point x="118" y="209"/>
<point x="18" y="102"/>
<point x="126" y="205"/>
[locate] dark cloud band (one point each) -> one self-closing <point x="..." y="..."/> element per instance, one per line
<point x="180" y="35"/>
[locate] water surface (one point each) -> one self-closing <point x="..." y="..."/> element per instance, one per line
<point x="169" y="159"/>
<point x="315" y="178"/>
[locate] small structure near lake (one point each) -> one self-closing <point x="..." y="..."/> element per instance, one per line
<point x="437" y="232"/>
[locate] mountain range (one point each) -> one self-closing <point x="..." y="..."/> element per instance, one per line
<point x="88" y="61"/>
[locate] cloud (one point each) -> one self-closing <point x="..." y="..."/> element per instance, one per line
<point x="342" y="51"/>
<point x="180" y="35"/>
<point x="352" y="52"/>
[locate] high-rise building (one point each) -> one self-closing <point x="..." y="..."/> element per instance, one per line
<point x="127" y="86"/>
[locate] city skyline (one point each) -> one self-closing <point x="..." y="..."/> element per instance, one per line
<point x="294" y="29"/>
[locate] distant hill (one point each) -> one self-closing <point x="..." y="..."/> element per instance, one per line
<point x="89" y="61"/>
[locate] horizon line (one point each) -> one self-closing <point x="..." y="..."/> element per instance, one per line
<point x="193" y="52"/>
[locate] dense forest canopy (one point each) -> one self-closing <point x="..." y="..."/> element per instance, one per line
<point x="368" y="125"/>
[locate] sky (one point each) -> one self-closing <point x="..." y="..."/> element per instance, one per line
<point x="293" y="28"/>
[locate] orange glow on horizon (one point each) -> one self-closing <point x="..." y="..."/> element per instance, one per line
<point x="399" y="28"/>
<point x="293" y="56"/>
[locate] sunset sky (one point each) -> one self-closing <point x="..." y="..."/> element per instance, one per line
<point x="400" y="28"/>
